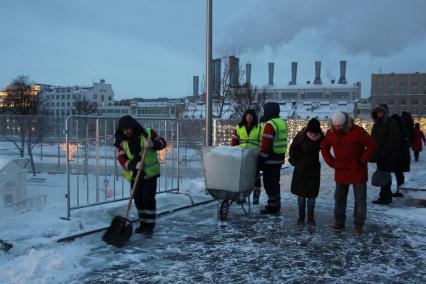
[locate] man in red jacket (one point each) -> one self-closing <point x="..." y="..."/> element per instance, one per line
<point x="352" y="147"/>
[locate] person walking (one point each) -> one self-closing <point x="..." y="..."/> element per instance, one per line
<point x="304" y="156"/>
<point x="131" y="139"/>
<point x="387" y="135"/>
<point x="418" y="142"/>
<point x="272" y="152"/>
<point x="352" y="147"/>
<point x="247" y="135"/>
<point x="408" y="122"/>
<point x="403" y="154"/>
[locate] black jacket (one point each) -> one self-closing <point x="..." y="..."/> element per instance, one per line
<point x="403" y="157"/>
<point x="304" y="156"/>
<point x="388" y="138"/>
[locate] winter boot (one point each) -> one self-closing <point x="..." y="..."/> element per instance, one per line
<point x="256" y="195"/>
<point x="358" y="230"/>
<point x="311" y="221"/>
<point x="382" y="201"/>
<point x="147" y="229"/>
<point x="338" y="227"/>
<point x="300" y="222"/>
<point x="397" y="193"/>
<point x="270" y="210"/>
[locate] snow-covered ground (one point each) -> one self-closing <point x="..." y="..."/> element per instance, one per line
<point x="194" y="246"/>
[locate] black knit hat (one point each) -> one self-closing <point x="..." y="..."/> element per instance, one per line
<point x="313" y="126"/>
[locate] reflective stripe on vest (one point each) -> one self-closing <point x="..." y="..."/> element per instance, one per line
<point x="279" y="144"/>
<point x="251" y="140"/>
<point x="151" y="164"/>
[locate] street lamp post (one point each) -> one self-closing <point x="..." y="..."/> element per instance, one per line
<point x="209" y="88"/>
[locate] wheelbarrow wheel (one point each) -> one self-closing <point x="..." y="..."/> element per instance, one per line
<point x="223" y="210"/>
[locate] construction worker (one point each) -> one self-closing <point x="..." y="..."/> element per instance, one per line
<point x="131" y="139"/>
<point x="247" y="135"/>
<point x="272" y="152"/>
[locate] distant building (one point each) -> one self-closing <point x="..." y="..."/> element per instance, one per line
<point x="60" y="101"/>
<point x="401" y="92"/>
<point x="297" y="100"/>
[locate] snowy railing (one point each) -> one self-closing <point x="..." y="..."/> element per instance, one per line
<point x="93" y="174"/>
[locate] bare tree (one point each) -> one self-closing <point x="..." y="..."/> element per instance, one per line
<point x="85" y="107"/>
<point x="23" y="99"/>
<point x="245" y="98"/>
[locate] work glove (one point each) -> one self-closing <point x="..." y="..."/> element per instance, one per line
<point x="139" y="165"/>
<point x="148" y="144"/>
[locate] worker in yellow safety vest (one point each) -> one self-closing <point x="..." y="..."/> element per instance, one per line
<point x="273" y="147"/>
<point x="131" y="139"/>
<point x="247" y="134"/>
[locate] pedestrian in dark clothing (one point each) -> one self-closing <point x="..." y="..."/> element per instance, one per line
<point x="403" y="155"/>
<point x="131" y="139"/>
<point x="408" y="122"/>
<point x="387" y="135"/>
<point x="352" y="147"/>
<point x="304" y="156"/>
<point x="272" y="152"/>
<point x="247" y="134"/>
<point x="419" y="140"/>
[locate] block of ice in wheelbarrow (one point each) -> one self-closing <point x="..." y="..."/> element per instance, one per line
<point x="230" y="168"/>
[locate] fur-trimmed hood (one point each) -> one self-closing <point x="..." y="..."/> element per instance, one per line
<point x="381" y="107"/>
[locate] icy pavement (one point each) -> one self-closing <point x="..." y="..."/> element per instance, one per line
<point x="195" y="247"/>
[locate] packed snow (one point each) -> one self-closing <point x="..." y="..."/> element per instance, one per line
<point x="227" y="168"/>
<point x="195" y="246"/>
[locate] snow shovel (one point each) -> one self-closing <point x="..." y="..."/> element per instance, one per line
<point x="121" y="228"/>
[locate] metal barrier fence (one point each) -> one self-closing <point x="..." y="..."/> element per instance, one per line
<point x="93" y="174"/>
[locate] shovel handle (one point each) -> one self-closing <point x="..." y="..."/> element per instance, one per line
<point x="135" y="184"/>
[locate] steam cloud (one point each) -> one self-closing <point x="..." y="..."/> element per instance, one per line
<point x="379" y="27"/>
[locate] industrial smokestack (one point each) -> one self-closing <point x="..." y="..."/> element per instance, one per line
<point x="248" y="73"/>
<point x="317" y="80"/>
<point x="342" y="79"/>
<point x="234" y="71"/>
<point x="271" y="73"/>
<point x="293" y="73"/>
<point x="195" y="86"/>
<point x="217" y="71"/>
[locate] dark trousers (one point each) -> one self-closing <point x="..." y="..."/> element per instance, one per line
<point x="360" y="206"/>
<point x="386" y="192"/>
<point x="400" y="179"/>
<point x="306" y="203"/>
<point x="257" y="182"/>
<point x="271" y="182"/>
<point x="416" y="156"/>
<point x="145" y="201"/>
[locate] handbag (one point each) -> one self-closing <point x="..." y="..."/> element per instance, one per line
<point x="381" y="178"/>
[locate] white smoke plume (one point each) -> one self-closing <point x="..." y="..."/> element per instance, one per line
<point x="376" y="27"/>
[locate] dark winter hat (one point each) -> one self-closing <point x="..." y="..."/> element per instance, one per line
<point x="314" y="126"/>
<point x="128" y="121"/>
<point x="270" y="110"/>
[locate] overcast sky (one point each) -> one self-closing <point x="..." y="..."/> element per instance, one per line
<point x="152" y="48"/>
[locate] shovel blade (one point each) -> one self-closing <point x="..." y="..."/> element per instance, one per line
<point x="119" y="232"/>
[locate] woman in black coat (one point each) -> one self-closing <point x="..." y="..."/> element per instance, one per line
<point x="304" y="156"/>
<point x="403" y="157"/>
<point x="387" y="135"/>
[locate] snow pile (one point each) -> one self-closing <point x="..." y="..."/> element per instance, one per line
<point x="228" y="168"/>
<point x="53" y="265"/>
